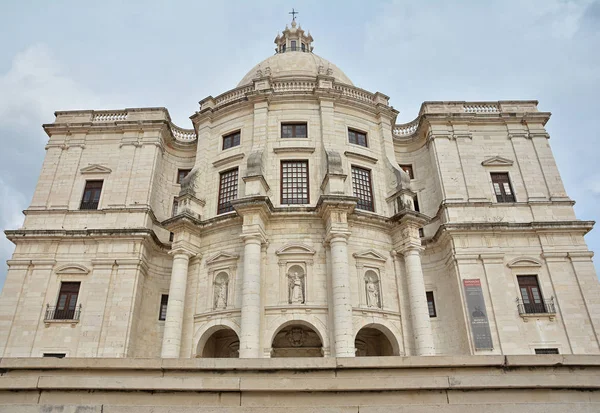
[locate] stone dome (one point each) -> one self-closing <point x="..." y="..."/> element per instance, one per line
<point x="296" y="64"/>
<point x="294" y="58"/>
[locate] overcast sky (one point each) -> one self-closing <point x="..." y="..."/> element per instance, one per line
<point x="107" y="54"/>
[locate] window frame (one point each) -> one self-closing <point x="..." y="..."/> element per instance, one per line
<point x="231" y="135"/>
<point x="503" y="197"/>
<point x="164" y="302"/>
<point x="222" y="207"/>
<point x="281" y="186"/>
<point x="430" y="296"/>
<point x="179" y="178"/>
<point x="371" y="191"/>
<point x="293" y="125"/>
<point x="86" y="206"/>
<point x="530" y="306"/>
<point x="409" y="166"/>
<point x="68" y="309"/>
<point x="356" y="132"/>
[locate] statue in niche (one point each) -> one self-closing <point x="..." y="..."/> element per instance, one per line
<point x="296" y="288"/>
<point x="220" y="297"/>
<point x="372" y="290"/>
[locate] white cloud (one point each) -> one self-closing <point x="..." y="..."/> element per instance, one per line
<point x="35" y="85"/>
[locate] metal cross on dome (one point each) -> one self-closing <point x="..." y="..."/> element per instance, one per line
<point x="293" y="13"/>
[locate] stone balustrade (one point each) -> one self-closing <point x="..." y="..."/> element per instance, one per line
<point x="406" y="129"/>
<point x="355" y="93"/>
<point x="109" y="116"/>
<point x="294" y="86"/>
<point x="232" y="95"/>
<point x="481" y="108"/>
<point x="185" y="135"/>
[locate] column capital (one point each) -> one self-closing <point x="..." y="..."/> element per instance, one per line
<point x="338" y="236"/>
<point x="410" y="249"/>
<point x="182" y="251"/>
<point x="257" y="237"/>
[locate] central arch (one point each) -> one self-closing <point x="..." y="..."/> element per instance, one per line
<point x="219" y="342"/>
<point x="375" y="340"/>
<point x="296" y="338"/>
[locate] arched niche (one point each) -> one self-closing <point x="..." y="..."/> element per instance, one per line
<point x="375" y="340"/>
<point x="221" y="290"/>
<point x="372" y="289"/>
<point x="218" y="342"/>
<point x="296" y="339"/>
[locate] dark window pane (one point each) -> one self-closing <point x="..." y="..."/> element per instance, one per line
<point x="502" y="187"/>
<point x="164" y="301"/>
<point x="293" y="130"/>
<point x="294" y="182"/>
<point x="357" y="138"/>
<point x="361" y="188"/>
<point x="228" y="186"/>
<point x="546" y="351"/>
<point x="431" y="304"/>
<point x="91" y="195"/>
<point x="182" y="173"/>
<point x="408" y="169"/>
<point x="531" y="294"/>
<point x="67" y="301"/>
<point x="231" y="140"/>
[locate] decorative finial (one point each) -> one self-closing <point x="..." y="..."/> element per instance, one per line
<point x="293" y="13"/>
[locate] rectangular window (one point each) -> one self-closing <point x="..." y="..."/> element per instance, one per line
<point x="416" y="203"/>
<point x="409" y="170"/>
<point x="164" y="301"/>
<point x="431" y="304"/>
<point x="531" y="294"/>
<point x="55" y="355"/>
<point x="182" y="173"/>
<point x="91" y="195"/>
<point x="67" y="301"/>
<point x="303" y="47"/>
<point x="294" y="182"/>
<point x="174" y="209"/>
<point x="228" y="186"/>
<point x="293" y="45"/>
<point x="357" y="137"/>
<point x="231" y="140"/>
<point x="362" y="189"/>
<point x="502" y="187"/>
<point x="546" y="351"/>
<point x="293" y="130"/>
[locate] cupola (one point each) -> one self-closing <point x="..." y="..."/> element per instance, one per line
<point x="293" y="39"/>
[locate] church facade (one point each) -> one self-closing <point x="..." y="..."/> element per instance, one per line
<point x="297" y="219"/>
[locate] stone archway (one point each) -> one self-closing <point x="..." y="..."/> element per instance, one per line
<point x="222" y="342"/>
<point x="297" y="340"/>
<point x="372" y="341"/>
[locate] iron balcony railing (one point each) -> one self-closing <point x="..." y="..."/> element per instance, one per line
<point x="54" y="313"/>
<point x="89" y="205"/>
<point x="545" y="307"/>
<point x="293" y="49"/>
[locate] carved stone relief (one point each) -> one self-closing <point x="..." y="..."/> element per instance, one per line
<point x="296" y="286"/>
<point x="220" y="290"/>
<point x="373" y="292"/>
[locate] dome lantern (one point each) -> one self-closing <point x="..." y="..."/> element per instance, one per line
<point x="293" y="39"/>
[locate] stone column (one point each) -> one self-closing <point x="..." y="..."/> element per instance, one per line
<point x="341" y="295"/>
<point x="174" y="320"/>
<point x="419" y="310"/>
<point x="251" y="310"/>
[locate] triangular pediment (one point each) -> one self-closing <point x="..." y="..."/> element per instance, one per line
<point x="369" y="255"/>
<point x="295" y="248"/>
<point x="96" y="169"/>
<point x="222" y="257"/>
<point x="497" y="161"/>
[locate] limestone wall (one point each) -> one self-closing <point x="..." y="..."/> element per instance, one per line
<point x="394" y="384"/>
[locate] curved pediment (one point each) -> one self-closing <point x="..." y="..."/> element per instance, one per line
<point x="369" y="254"/>
<point x="524" y="262"/>
<point x="295" y="248"/>
<point x="72" y="269"/>
<point x="95" y="169"/>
